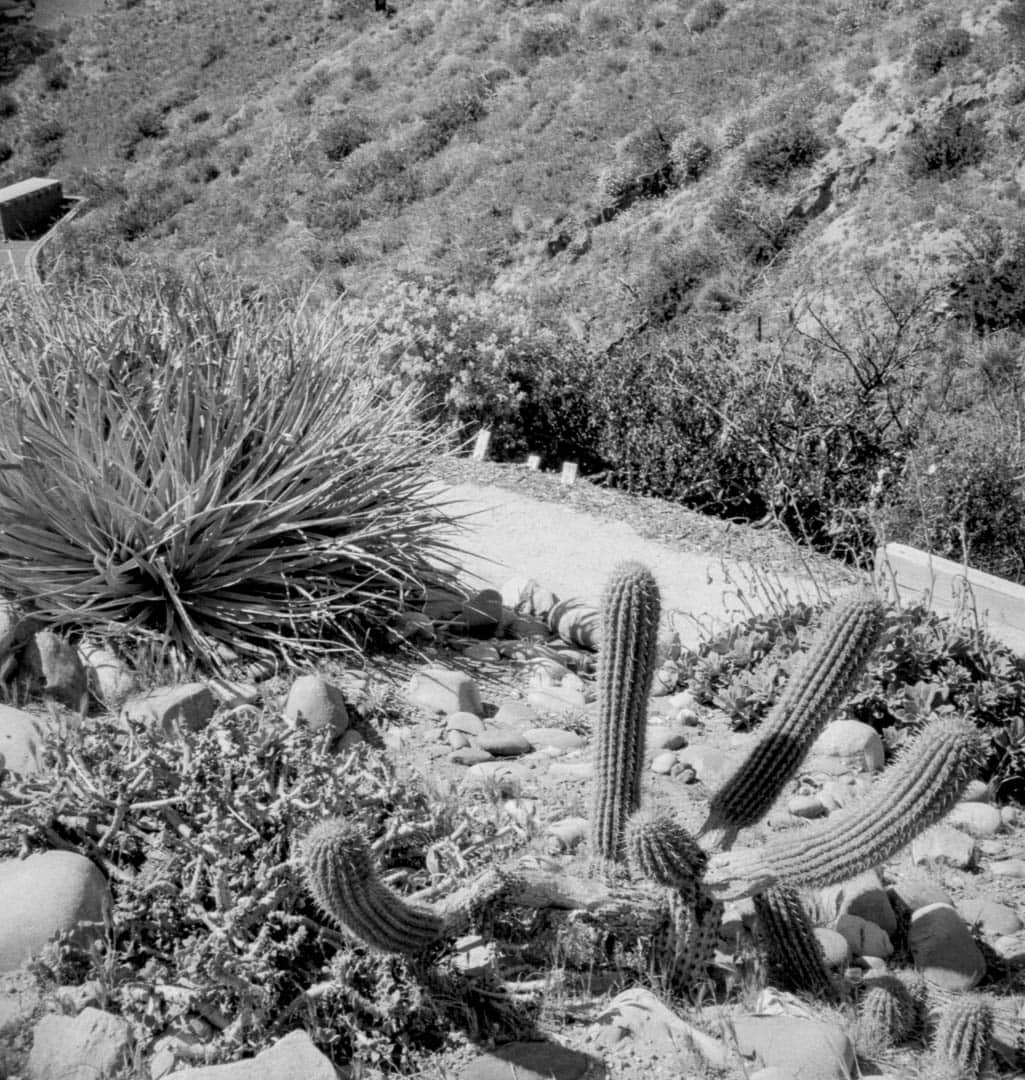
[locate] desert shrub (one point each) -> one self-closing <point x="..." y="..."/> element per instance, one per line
<point x="641" y="167"/>
<point x="691" y="154"/>
<point x="945" y="146"/>
<point x="342" y="133"/>
<point x="755" y="224"/>
<point x="150" y="203"/>
<point x="1012" y="17"/>
<point x="790" y="144"/>
<point x="6" y="151"/>
<point x="9" y="105"/>
<point x="461" y="105"/>
<point x="222" y="471"/>
<point x="932" y="51"/>
<point x="545" y="35"/>
<point x="54" y="71"/>
<point x="704" y="15"/>
<point x="45" y="132"/>
<point x="988" y="289"/>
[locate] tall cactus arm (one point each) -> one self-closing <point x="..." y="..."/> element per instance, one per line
<point x="795" y="958"/>
<point x="339" y="873"/>
<point x="626" y="664"/>
<point x="823" y="678"/>
<point x="916" y="791"/>
<point x="961" y="1045"/>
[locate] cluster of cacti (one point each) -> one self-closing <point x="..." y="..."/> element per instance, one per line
<point x="822" y="680"/>
<point x="660" y="848"/>
<point x="630" y="614"/>
<point x="961" y="1044"/>
<point x="793" y="955"/>
<point x="888" y="1014"/>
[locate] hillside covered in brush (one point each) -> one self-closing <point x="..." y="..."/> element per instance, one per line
<point x="762" y="259"/>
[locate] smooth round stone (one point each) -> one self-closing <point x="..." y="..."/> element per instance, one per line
<point x="350" y="738"/>
<point x="442" y="690"/>
<point x="977" y="818"/>
<point x="711" y="765"/>
<point x="806" y="806"/>
<point x="515" y="713"/>
<point x="660" y="737"/>
<point x="554" y="737"/>
<point x="976" y="791"/>
<point x="318" y="703"/>
<point x="566" y="834"/>
<point x="851" y="745"/>
<point x="990" y="917"/>
<point x="944" y="844"/>
<point x="1010" y="815"/>
<point x="481" y="615"/>
<point x="663" y="762"/>
<point x="467" y="723"/>
<point x="503" y="742"/>
<point x="863" y="895"/>
<point x="571" y="770"/>
<point x="918" y="891"/>
<point x="803" y="1049"/>
<point x="545" y="672"/>
<point x="864" y="937"/>
<point x="528" y="1061"/>
<point x="470" y="755"/>
<point x="1011" y="947"/>
<point x="835" y="947"/>
<point x="943" y="948"/>
<point x="457" y="740"/>
<point x="21" y="741"/>
<point x="482" y="653"/>
<point x="556" y="700"/>
<point x="1009" y="868"/>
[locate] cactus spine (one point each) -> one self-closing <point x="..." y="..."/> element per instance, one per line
<point x="794" y="958"/>
<point x="824" y="677"/>
<point x="340" y="875"/>
<point x="888" y="1014"/>
<point x="962" y="1040"/>
<point x="661" y="849"/>
<point x="915" y="792"/>
<point x="630" y="614"/>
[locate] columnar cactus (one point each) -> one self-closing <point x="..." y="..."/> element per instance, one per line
<point x="887" y="1016"/>
<point x="661" y="849"/>
<point x="794" y="958"/>
<point x="340" y="875"/>
<point x="961" y="1045"/>
<point x="692" y="935"/>
<point x="916" y="791"/>
<point x="824" y="677"/>
<point x="626" y="661"/>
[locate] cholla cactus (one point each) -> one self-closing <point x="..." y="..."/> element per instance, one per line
<point x="661" y="849"/>
<point x="340" y="875"/>
<point x="961" y="1045"/>
<point x="824" y="677"/>
<point x="794" y="958"/>
<point x="630" y="614"/>
<point x="887" y="1016"/>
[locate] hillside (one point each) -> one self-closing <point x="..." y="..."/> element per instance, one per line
<point x="799" y="214"/>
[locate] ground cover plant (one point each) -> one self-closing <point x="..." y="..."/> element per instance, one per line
<point x="223" y="471"/>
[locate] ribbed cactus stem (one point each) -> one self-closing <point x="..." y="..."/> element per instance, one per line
<point x="928" y="777"/>
<point x="961" y="1045"/>
<point x="659" y="848"/>
<point x="887" y="1016"/>
<point x="340" y="875"/>
<point x="692" y="935"/>
<point x="822" y="680"/>
<point x="626" y="663"/>
<point x="794" y="957"/>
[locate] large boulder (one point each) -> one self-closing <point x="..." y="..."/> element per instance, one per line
<point x="21" y="742"/>
<point x="943" y="948"/>
<point x="293" y="1057"/>
<point x="94" y="1045"/>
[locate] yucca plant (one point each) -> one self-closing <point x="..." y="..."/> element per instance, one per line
<point x="225" y="472"/>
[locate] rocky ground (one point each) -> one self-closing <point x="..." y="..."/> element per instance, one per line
<point x="500" y="700"/>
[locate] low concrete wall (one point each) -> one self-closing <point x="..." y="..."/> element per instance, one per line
<point x="950" y="588"/>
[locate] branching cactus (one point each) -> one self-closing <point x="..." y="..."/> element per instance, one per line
<point x="661" y="849"/>
<point x="794" y="957"/>
<point x="339" y="873"/>
<point x="887" y="1016"/>
<point x="626" y="662"/>
<point x="961" y="1045"/>
<point x="823" y="678"/>
<point x="929" y="776"/>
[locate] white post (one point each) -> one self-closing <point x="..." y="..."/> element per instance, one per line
<point x="480" y="447"/>
<point x="534" y="461"/>
<point x="569" y="472"/>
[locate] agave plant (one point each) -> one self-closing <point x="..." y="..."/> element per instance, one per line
<point x="221" y="471"/>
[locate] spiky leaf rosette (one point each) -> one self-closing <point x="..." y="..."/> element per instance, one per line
<point x="659" y="848"/>
<point x="822" y="680"/>
<point x="340" y="875"/>
<point x="626" y="664"/>
<point x="961" y="1045"/>
<point x="887" y="1015"/>
<point x="794" y="958"/>
<point x="917" y="790"/>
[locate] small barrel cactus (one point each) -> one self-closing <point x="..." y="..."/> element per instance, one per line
<point x="888" y="1014"/>
<point x="961" y="1045"/>
<point x="660" y="849"/>
<point x="339" y="873"/>
<point x="794" y="958"/>
<point x="626" y="662"/>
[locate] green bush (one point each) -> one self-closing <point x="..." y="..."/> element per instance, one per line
<point x="342" y="133"/>
<point x="704" y="15"/>
<point x="220" y="471"/>
<point x="932" y="52"/>
<point x="691" y="154"/>
<point x="945" y="146"/>
<point x="791" y="144"/>
<point x="54" y="71"/>
<point x="6" y="151"/>
<point x="9" y="105"/>
<point x="988" y="289"/>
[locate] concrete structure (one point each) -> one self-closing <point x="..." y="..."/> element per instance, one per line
<point x="29" y="207"/>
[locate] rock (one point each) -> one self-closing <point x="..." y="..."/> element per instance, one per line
<point x="443" y="605"/>
<point x="564" y="835"/>
<point x="558" y="737"/>
<point x="863" y="895"/>
<point x="21" y="742"/>
<point x="51" y="666"/>
<point x="189" y="707"/>
<point x="481" y="615"/>
<point x="20" y="999"/>
<point x="471" y="755"/>
<point x="293" y="1057"/>
<point x="512" y="712"/>
<point x="45" y="894"/>
<point x="442" y="690"/>
<point x="473" y="955"/>
<point x="835" y="947"/>
<point x="108" y="676"/>
<point x="467" y="723"/>
<point x="1009" y="868"/>
<point x="943" y="844"/>
<point x="664" y="681"/>
<point x="482" y="653"/>
<point x="802" y="1049"/>
<point x="663" y="762"/>
<point x="976" y="791"/>
<point x="528" y="1061"/>
<point x="556" y="700"/>
<point x="846" y="746"/>
<point x="916" y="891"/>
<point x="576" y="623"/>
<point x="457" y="740"/>
<point x="503" y="742"/>
<point x="316" y="703"/>
<point x="806" y="806"/>
<point x="1010" y="948"/>
<point x="527" y="628"/>
<point x="233" y="695"/>
<point x="1010" y="816"/>
<point x="571" y="770"/>
<point x="350" y="738"/>
<point x="991" y="917"/>
<point x="943" y="948"/>
<point x="84" y="1047"/>
<point x="976" y="818"/>
<point x="864" y="937"/>
<point x="659" y="737"/>
<point x="711" y="765"/>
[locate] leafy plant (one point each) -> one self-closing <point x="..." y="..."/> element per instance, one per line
<point x="945" y="146"/>
<point x="932" y="52"/>
<point x="790" y="144"/>
<point x="220" y="470"/>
